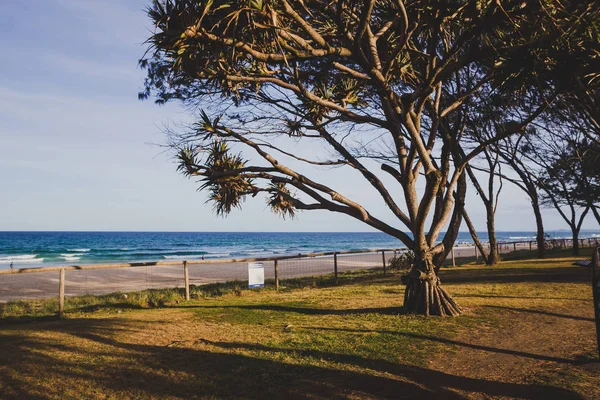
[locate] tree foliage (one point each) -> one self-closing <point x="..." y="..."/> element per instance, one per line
<point x="386" y="81"/>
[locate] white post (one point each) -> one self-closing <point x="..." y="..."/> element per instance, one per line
<point x="186" y="275"/>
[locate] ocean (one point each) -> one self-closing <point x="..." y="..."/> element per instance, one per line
<point x="35" y="249"/>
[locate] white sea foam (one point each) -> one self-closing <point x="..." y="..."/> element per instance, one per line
<point x="188" y="257"/>
<point x="196" y="256"/>
<point x="25" y="258"/>
<point x="21" y="258"/>
<point x="79" y="250"/>
<point x="71" y="258"/>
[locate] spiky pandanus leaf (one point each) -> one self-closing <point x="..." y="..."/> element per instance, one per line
<point x="227" y="186"/>
<point x="187" y="161"/>
<point x="281" y="200"/>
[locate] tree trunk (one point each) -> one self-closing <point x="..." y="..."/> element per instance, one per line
<point x="540" y="238"/>
<point x="424" y="295"/>
<point x="455" y="223"/>
<point x="596" y="213"/>
<point x="473" y="233"/>
<point x="575" y="250"/>
<point x="493" y="256"/>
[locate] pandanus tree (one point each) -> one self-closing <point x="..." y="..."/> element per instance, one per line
<point x="379" y="86"/>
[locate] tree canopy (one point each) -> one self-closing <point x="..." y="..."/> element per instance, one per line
<point x="385" y="81"/>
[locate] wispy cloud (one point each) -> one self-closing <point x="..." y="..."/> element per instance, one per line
<point x="89" y="67"/>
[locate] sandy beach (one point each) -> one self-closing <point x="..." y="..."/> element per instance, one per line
<point x="22" y="286"/>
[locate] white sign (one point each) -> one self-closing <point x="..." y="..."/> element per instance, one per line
<point x="256" y="275"/>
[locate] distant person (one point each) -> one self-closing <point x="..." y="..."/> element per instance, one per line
<point x="11" y="266"/>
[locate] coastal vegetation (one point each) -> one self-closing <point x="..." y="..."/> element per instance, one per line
<point x="406" y="95"/>
<point x="316" y="339"/>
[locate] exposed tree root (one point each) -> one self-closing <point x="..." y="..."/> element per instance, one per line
<point x="425" y="296"/>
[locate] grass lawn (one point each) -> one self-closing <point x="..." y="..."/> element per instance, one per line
<point x="527" y="331"/>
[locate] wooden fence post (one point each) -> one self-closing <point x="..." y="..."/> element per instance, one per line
<point x="61" y="293"/>
<point x="335" y="280"/>
<point x="383" y="259"/>
<point x="453" y="258"/>
<point x="530" y="248"/>
<point x="275" y="266"/>
<point x="186" y="274"/>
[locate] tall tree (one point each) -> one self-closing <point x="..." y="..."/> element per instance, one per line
<point x="387" y="76"/>
<point x="559" y="182"/>
<point x="527" y="181"/>
<point x="489" y="196"/>
<point x="577" y="156"/>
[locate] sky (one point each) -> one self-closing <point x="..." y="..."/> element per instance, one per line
<point x="79" y="151"/>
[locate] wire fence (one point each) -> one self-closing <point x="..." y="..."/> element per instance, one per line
<point x="39" y="283"/>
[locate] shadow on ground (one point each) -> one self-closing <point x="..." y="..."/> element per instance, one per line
<point x="513" y="275"/>
<point x="93" y="356"/>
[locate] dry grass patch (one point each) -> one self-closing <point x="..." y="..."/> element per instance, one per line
<point x="527" y="333"/>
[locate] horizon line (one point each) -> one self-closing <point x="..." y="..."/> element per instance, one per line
<point x="483" y="231"/>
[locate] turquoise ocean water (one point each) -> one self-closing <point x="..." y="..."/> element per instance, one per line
<point x="31" y="249"/>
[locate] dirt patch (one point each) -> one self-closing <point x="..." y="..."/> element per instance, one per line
<point x="549" y="344"/>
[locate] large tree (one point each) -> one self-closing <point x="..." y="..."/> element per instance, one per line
<point x="369" y="81"/>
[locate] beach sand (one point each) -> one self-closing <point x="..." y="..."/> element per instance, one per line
<point x="21" y="286"/>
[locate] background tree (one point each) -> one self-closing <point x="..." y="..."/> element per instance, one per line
<point x="578" y="153"/>
<point x="560" y="181"/>
<point x="382" y="76"/>
<point x="489" y="196"/>
<point x="527" y="180"/>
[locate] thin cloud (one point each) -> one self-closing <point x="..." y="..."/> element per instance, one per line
<point x="94" y="69"/>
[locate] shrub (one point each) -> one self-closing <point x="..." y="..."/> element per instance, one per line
<point x="402" y="261"/>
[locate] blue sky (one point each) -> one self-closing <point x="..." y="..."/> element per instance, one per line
<point x="78" y="151"/>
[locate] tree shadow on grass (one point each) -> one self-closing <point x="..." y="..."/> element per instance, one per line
<point x="516" y="353"/>
<point x="541" y="312"/>
<point x="514" y="275"/>
<point x="436" y="381"/>
<point x="309" y="310"/>
<point x="398" y="310"/>
<point x="496" y="296"/>
<point x="24" y="319"/>
<point x="91" y="358"/>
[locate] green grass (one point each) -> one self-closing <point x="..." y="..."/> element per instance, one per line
<point x="585" y="253"/>
<point x="157" y="298"/>
<point x="312" y="339"/>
